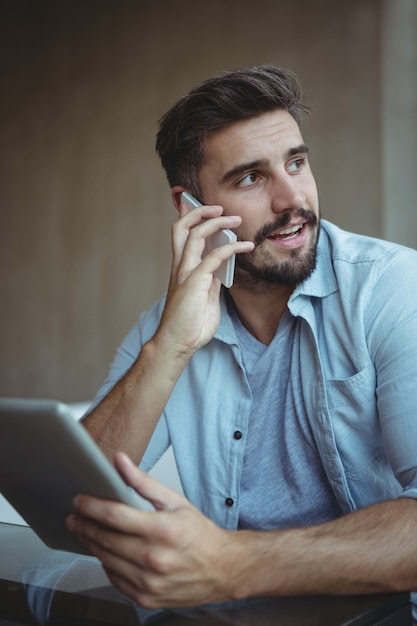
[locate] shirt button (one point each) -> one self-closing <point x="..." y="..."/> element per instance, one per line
<point x="229" y="501"/>
<point x="237" y="434"/>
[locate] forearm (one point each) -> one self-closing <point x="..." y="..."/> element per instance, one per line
<point x="126" y="418"/>
<point x="370" y="551"/>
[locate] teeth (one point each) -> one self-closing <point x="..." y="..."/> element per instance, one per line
<point x="290" y="231"/>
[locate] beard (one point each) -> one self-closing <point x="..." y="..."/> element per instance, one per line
<point x="260" y="266"/>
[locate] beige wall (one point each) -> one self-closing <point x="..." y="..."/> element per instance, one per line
<point x="85" y="209"/>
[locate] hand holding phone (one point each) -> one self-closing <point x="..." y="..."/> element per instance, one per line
<point x="226" y="270"/>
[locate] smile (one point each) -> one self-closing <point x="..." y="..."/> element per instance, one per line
<point x="287" y="233"/>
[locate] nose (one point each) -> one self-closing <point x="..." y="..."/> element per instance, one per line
<point x="287" y="193"/>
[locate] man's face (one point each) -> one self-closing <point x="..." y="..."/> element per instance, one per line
<point x="258" y="169"/>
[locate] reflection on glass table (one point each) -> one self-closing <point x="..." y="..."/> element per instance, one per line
<point x="43" y="586"/>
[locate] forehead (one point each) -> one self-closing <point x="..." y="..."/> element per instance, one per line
<point x="266" y="136"/>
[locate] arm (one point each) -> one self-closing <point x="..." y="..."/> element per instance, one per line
<point x="125" y="419"/>
<point x="177" y="557"/>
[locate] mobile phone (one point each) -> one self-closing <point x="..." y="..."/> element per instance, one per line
<point x="227" y="268"/>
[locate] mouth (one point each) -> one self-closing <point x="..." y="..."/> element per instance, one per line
<point x="287" y="233"/>
<point x="290" y="231"/>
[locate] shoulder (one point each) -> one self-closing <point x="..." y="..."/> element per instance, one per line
<point x="368" y="259"/>
<point x="354" y="248"/>
<point x="354" y="265"/>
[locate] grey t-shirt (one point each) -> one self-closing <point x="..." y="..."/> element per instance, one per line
<point x="283" y="482"/>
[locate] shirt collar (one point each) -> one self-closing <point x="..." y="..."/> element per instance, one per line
<point x="322" y="281"/>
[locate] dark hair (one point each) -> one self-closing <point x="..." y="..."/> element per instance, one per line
<point x="212" y="105"/>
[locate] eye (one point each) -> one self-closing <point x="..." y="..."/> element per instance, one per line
<point x="249" y="179"/>
<point x="296" y="164"/>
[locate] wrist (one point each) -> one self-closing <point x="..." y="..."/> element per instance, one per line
<point x="173" y="349"/>
<point x="163" y="357"/>
<point x="240" y="565"/>
<point x="254" y="557"/>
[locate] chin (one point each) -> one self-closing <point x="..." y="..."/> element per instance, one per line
<point x="291" y="271"/>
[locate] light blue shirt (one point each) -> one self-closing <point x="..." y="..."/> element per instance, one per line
<point x="358" y="378"/>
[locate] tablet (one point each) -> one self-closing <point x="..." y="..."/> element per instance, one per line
<point x="46" y="458"/>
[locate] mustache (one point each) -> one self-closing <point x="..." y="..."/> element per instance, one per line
<point x="282" y="221"/>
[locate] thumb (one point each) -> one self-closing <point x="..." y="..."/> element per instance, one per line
<point x="161" y="497"/>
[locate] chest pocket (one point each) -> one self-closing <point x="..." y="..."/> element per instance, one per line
<point x="353" y="410"/>
<point x="354" y="396"/>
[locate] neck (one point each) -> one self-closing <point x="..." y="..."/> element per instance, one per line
<point x="260" y="309"/>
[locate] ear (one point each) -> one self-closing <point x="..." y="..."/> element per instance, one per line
<point x="176" y="192"/>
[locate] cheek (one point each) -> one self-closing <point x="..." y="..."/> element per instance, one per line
<point x="312" y="193"/>
<point x="246" y="231"/>
<point x="253" y="221"/>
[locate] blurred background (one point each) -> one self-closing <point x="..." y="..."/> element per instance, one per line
<point x="85" y="210"/>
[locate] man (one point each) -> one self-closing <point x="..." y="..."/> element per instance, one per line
<point x="289" y="399"/>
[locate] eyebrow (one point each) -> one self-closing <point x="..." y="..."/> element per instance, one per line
<point x="252" y="165"/>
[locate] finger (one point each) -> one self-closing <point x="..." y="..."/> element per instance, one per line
<point x="189" y="220"/>
<point x="213" y="260"/>
<point x="160" y="496"/>
<point x="94" y="517"/>
<point x="120" y="553"/>
<point x="132" y="588"/>
<point x="208" y="227"/>
<point x="127" y="533"/>
<point x="203" y="211"/>
<point x="196" y="243"/>
<point x="203" y="221"/>
<point x="120" y="516"/>
<point x="140" y="585"/>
